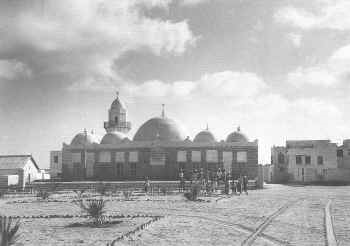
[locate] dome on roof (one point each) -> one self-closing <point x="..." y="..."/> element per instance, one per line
<point x="237" y="136"/>
<point x="117" y="103"/>
<point x="204" y="136"/>
<point x="164" y="129"/>
<point x="84" y="139"/>
<point x="113" y="138"/>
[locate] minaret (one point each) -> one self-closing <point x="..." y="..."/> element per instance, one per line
<point x="117" y="118"/>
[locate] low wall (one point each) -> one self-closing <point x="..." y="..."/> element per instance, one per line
<point x="118" y="185"/>
<point x="339" y="174"/>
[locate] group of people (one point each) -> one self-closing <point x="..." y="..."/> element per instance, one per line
<point x="210" y="181"/>
<point x="213" y="179"/>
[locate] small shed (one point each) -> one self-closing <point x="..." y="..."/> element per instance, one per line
<point x="22" y="165"/>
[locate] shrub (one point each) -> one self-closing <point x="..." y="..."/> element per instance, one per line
<point x="194" y="192"/>
<point x="8" y="231"/>
<point x="79" y="193"/>
<point x="95" y="209"/>
<point x="127" y="194"/>
<point x="43" y="194"/>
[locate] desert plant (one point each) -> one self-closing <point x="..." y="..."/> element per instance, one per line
<point x="95" y="209"/>
<point x="194" y="192"/>
<point x="79" y="193"/>
<point x="43" y="194"/>
<point x="127" y="194"/>
<point x="8" y="231"/>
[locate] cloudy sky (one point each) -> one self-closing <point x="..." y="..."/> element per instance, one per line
<point x="278" y="68"/>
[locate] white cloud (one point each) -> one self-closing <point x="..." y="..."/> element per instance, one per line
<point x="295" y="38"/>
<point x="191" y="2"/>
<point x="225" y="84"/>
<point x="81" y="39"/>
<point x="331" y="73"/>
<point x="316" y="76"/>
<point x="326" y="14"/>
<point x="11" y="69"/>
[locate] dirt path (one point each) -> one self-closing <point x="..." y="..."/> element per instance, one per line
<point x="252" y="237"/>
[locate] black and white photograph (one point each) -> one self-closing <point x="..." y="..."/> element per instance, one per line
<point x="175" y="122"/>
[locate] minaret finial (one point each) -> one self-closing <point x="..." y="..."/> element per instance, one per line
<point x="163" y="111"/>
<point x="117" y="94"/>
<point x="238" y="129"/>
<point x="207" y="127"/>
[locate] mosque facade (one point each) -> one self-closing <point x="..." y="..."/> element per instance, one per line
<point x="158" y="150"/>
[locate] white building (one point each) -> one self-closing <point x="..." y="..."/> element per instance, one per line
<point x="311" y="160"/>
<point x="23" y="166"/>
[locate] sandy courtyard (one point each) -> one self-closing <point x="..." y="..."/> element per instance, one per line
<point x="276" y="215"/>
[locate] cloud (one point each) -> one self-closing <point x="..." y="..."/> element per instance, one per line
<point x="294" y="38"/>
<point x="317" y="76"/>
<point x="335" y="71"/>
<point x="12" y="69"/>
<point x="325" y="14"/>
<point x="220" y="85"/>
<point x="191" y="2"/>
<point x="79" y="40"/>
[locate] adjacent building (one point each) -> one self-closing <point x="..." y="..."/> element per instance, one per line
<point x="18" y="170"/>
<point x="158" y="150"/>
<point x="310" y="161"/>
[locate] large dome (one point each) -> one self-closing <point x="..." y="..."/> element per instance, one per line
<point x="204" y="137"/>
<point x="113" y="138"/>
<point x="237" y="136"/>
<point x="164" y="129"/>
<point x="84" y="139"/>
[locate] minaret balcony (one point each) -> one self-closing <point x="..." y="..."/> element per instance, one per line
<point x="119" y="125"/>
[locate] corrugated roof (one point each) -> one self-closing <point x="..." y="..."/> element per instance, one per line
<point x="15" y="161"/>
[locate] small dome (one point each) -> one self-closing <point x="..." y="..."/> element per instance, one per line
<point x="112" y="138"/>
<point x="84" y="139"/>
<point x="237" y="136"/>
<point x="117" y="103"/>
<point x="204" y="137"/>
<point x="164" y="129"/>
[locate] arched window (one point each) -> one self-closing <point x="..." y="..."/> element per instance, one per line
<point x="116" y="119"/>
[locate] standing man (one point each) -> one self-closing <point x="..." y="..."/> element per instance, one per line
<point x="239" y="185"/>
<point x="182" y="181"/>
<point x="147" y="185"/>
<point x="245" y="184"/>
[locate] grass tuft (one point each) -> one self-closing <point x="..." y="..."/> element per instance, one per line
<point x="8" y="231"/>
<point x="95" y="209"/>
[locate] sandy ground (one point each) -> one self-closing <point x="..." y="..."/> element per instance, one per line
<point x="283" y="215"/>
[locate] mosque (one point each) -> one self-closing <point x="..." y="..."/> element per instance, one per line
<point x="158" y="150"/>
